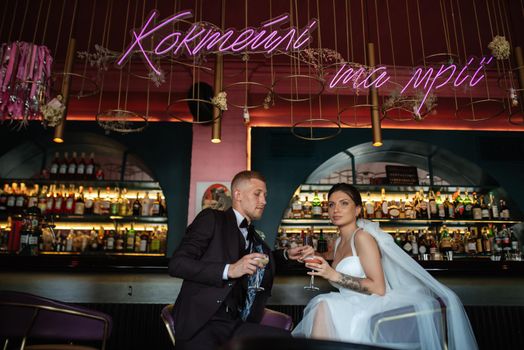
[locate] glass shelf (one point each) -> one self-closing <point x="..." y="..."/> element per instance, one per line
<point x="135" y="185"/>
<point x="363" y="188"/>
<point x="298" y="222"/>
<point x="97" y="218"/>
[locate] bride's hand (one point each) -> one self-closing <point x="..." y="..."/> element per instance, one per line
<point x="322" y="269"/>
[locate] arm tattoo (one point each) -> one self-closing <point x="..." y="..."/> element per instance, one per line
<point x="353" y="283"/>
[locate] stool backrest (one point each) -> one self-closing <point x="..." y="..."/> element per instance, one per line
<point x="24" y="315"/>
<point x="169" y="321"/>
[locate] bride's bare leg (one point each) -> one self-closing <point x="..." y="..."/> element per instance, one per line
<point x="322" y="322"/>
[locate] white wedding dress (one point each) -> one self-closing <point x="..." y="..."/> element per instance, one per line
<point x="410" y="307"/>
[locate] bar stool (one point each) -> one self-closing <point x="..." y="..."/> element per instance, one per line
<point x="25" y="316"/>
<point x="400" y="325"/>
<point x="270" y="318"/>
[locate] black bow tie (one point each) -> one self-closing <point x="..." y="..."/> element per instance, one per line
<point x="250" y="230"/>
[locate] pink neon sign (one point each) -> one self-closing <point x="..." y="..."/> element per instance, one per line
<point x="429" y="79"/>
<point x="204" y="37"/>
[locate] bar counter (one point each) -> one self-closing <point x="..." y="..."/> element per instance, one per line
<point x="145" y="280"/>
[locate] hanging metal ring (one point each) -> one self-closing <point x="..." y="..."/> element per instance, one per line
<point x="459" y="112"/>
<point x="196" y="100"/>
<point x="315" y="120"/>
<point x="92" y="82"/>
<point x="117" y="120"/>
<point x="318" y="80"/>
<point x="247" y="84"/>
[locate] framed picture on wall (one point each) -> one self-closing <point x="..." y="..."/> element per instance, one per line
<point x="213" y="194"/>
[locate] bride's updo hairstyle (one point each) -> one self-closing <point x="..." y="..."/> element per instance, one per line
<point x="348" y="189"/>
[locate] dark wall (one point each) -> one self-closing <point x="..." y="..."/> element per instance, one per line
<point x="287" y="161"/>
<point x="165" y="148"/>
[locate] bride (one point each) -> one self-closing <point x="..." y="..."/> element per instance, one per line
<point x="376" y="279"/>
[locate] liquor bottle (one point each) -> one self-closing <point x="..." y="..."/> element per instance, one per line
<point x="59" y="200"/>
<point x="114" y="206"/>
<point x="69" y="241"/>
<point x="422" y="244"/>
<point x="154" y="247"/>
<point x="486" y="241"/>
<point x="393" y="210"/>
<point x="296" y="208"/>
<point x="398" y="238"/>
<point x="21" y="198"/>
<point x="441" y="206"/>
<point x="137" y="206"/>
<point x="406" y="244"/>
<point x="322" y="245"/>
<point x="32" y="198"/>
<point x="515" y="247"/>
<point x="414" y="245"/>
<point x="432" y="204"/>
<point x="144" y="242"/>
<point x="3" y="198"/>
<point x="445" y="240"/>
<point x="317" y="206"/>
<point x="97" y="203"/>
<point x="89" y="201"/>
<point x="476" y="210"/>
<point x="307" y="207"/>
<point x="423" y="212"/>
<point x="119" y="242"/>
<point x="485" y="212"/>
<point x="80" y="203"/>
<point x="459" y="205"/>
<point x="471" y="243"/>
<point x="81" y="167"/>
<point x="62" y="169"/>
<point x="69" y="205"/>
<point x="385" y="204"/>
<point x="124" y="205"/>
<point x="494" y="209"/>
<point x="409" y="211"/>
<point x="504" y="210"/>
<point x="105" y="204"/>
<point x="110" y="241"/>
<point x="130" y="241"/>
<point x="90" y="167"/>
<point x="71" y="167"/>
<point x="157" y="208"/>
<point x="146" y="205"/>
<point x="369" y="207"/>
<point x="449" y="208"/>
<point x="401" y="209"/>
<point x="55" y="166"/>
<point x="377" y="213"/>
<point x="325" y="207"/>
<point x="42" y="200"/>
<point x="468" y="206"/>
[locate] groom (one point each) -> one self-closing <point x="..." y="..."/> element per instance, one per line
<point x="217" y="259"/>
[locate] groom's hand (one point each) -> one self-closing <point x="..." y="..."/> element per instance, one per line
<point x="246" y="265"/>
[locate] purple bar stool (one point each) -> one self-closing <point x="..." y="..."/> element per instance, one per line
<point x="26" y="316"/>
<point x="270" y="318"/>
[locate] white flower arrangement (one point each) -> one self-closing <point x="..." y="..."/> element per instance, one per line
<point x="53" y="111"/>
<point x="499" y="47"/>
<point x="220" y="101"/>
<point x="261" y="234"/>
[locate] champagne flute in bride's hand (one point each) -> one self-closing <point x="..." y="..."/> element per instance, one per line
<point x="313" y="260"/>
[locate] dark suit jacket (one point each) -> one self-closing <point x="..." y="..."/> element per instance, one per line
<point x="211" y="242"/>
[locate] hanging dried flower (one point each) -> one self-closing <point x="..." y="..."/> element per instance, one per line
<point x="499" y="47"/>
<point x="53" y="111"/>
<point x="268" y="100"/>
<point x="157" y="79"/>
<point x="100" y="58"/>
<point x="220" y="101"/>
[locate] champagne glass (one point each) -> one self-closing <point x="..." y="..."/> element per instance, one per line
<point x="313" y="260"/>
<point x="264" y="261"/>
